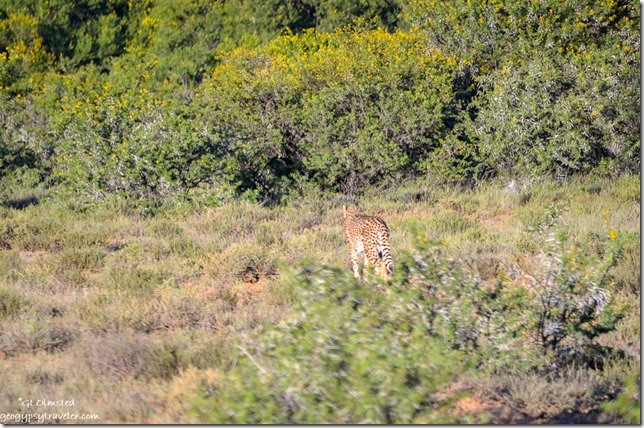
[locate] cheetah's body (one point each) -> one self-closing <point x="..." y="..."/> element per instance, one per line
<point x="367" y="235"/>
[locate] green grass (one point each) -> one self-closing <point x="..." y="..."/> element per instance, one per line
<point x="109" y="307"/>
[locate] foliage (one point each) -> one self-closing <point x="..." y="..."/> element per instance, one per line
<point x="275" y="99"/>
<point x="350" y="354"/>
<point x="550" y="323"/>
<point x="627" y="405"/>
<point x="340" y="110"/>
<point x="488" y="35"/>
<point x="25" y="149"/>
<point x="548" y="87"/>
<point x="572" y="304"/>
<point x="113" y="138"/>
<point x="559" y="116"/>
<point x="40" y="34"/>
<point x="332" y="14"/>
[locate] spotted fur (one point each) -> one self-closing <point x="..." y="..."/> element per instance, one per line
<point x="367" y="235"/>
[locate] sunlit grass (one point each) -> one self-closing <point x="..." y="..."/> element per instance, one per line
<point x="113" y="306"/>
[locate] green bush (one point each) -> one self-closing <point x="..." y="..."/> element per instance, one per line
<point x="548" y="87"/>
<point x="572" y="305"/>
<point x="11" y="302"/>
<point x="560" y="116"/>
<point x="341" y="110"/>
<point x="551" y="322"/>
<point x="350" y="354"/>
<point x="627" y="406"/>
<point x="115" y="139"/>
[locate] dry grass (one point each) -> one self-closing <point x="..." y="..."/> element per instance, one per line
<point x="128" y="314"/>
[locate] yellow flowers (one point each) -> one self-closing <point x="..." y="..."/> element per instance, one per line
<point x="605" y="215"/>
<point x="613" y="234"/>
<point x="149" y="22"/>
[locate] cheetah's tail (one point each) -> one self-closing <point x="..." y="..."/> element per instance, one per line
<point x="386" y="258"/>
<point x="384" y="253"/>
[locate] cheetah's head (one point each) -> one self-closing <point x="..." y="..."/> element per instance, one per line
<point x="352" y="209"/>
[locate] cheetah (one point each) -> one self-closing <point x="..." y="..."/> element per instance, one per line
<point x="369" y="235"/>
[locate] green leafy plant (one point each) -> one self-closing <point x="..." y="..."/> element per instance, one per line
<point x="350" y="354"/>
<point x="627" y="405"/>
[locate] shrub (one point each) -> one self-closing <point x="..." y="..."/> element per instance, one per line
<point x="627" y="405"/>
<point x="88" y="258"/>
<point x="572" y="304"/>
<point x="484" y="320"/>
<point x="137" y="356"/>
<point x="11" y="302"/>
<point x="115" y="139"/>
<point x="559" y="116"/>
<point x="168" y="102"/>
<point x="557" y="395"/>
<point x="32" y="332"/>
<point x="341" y="110"/>
<point x="545" y="87"/>
<point x="350" y="354"/>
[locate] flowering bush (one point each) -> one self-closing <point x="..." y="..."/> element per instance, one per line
<point x="165" y="99"/>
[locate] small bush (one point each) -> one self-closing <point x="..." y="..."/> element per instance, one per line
<point x="37" y="234"/>
<point x="79" y="259"/>
<point x="11" y="302"/>
<point x="450" y="223"/>
<point x="136" y="280"/>
<point x="6" y="233"/>
<point x="90" y="237"/>
<point x="548" y="396"/>
<point x="30" y="333"/>
<point x="186" y="248"/>
<point x="10" y="265"/>
<point x="124" y="356"/>
<point x="166" y="228"/>
<point x="572" y="304"/>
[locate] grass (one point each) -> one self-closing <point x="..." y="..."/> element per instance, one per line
<point x="127" y="314"/>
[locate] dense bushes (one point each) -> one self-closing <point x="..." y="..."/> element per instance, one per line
<point x="554" y="117"/>
<point x="166" y="99"/>
<point x="119" y="135"/>
<point x="553" y="84"/>
<point x="549" y="322"/>
<point x="341" y="110"/>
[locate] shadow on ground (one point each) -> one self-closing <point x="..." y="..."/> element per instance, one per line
<point x="20" y="203"/>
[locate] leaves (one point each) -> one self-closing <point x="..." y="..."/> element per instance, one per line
<point x="273" y="100"/>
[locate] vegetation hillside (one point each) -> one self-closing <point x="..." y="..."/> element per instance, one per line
<point x="172" y="175"/>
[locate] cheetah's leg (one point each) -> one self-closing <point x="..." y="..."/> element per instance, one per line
<point x="371" y="255"/>
<point x="383" y="270"/>
<point x="365" y="266"/>
<point x="387" y="273"/>
<point x="354" y="263"/>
